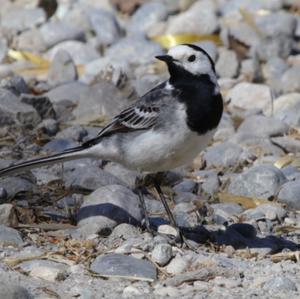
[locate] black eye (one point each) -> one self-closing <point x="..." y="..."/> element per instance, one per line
<point x="191" y="58"/>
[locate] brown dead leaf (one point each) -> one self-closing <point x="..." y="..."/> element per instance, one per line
<point x="283" y="256"/>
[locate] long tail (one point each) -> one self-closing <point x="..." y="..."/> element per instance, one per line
<point x="71" y="154"/>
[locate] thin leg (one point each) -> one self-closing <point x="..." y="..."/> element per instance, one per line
<point x="171" y="216"/>
<point x="166" y="206"/>
<point x="139" y="188"/>
<point x="144" y="210"/>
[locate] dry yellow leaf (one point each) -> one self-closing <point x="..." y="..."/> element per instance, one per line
<point x="170" y="40"/>
<point x="284" y="161"/>
<point x="24" y="55"/>
<point x="244" y="201"/>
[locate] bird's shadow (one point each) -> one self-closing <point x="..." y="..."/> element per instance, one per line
<point x="239" y="235"/>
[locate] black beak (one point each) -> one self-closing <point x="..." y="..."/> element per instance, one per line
<point x="165" y="58"/>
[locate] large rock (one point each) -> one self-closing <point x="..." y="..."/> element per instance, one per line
<point x="124" y="266"/>
<point x="116" y="203"/>
<point x="261" y="181"/>
<point x="13" y="111"/>
<point x="250" y="95"/>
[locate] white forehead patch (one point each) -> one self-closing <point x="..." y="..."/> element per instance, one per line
<point x="180" y="51"/>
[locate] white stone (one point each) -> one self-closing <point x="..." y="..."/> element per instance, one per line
<point x="178" y="265"/>
<point x="249" y="96"/>
<point x="167" y="230"/>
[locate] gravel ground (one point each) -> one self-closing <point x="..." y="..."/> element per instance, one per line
<point x="74" y="230"/>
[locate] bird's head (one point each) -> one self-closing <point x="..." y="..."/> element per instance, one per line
<point x="190" y="59"/>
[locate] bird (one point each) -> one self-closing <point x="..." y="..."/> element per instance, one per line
<point x="164" y="129"/>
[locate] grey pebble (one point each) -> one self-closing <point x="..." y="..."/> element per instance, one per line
<point x="114" y="202"/>
<point x="211" y="184"/>
<point x="269" y="47"/>
<point x="41" y="104"/>
<point x="162" y="253"/>
<point x="80" y="52"/>
<point x="148" y="15"/>
<point x="48" y="126"/>
<point x="186" y="185"/>
<point x="227" y="65"/>
<point x="10" y="237"/>
<point x="178" y="264"/>
<point x="30" y="40"/>
<point x="223" y="155"/>
<point x="125" y="175"/>
<point x="225" y="128"/>
<point x="85" y="174"/>
<point x="280" y="284"/>
<point x="262" y="181"/>
<point x="134" y="49"/>
<point x="124" y="231"/>
<point x="77" y="133"/>
<point x="289" y="194"/>
<point x="8" y="215"/>
<point x="125" y="266"/>
<point x="47" y="270"/>
<point x="10" y="290"/>
<point x="16" y="185"/>
<point x="59" y="145"/>
<point x="22" y="19"/>
<point x="55" y="32"/>
<point x="287" y="108"/>
<point x="261" y="125"/>
<point x="290" y="81"/>
<point x="200" y="18"/>
<point x="3" y="49"/>
<point x="62" y="69"/>
<point x="277" y="23"/>
<point x="244" y="94"/>
<point x="106" y="26"/>
<point x="291" y="145"/>
<point x="15" y="84"/>
<point x="273" y="70"/>
<point x="12" y="110"/>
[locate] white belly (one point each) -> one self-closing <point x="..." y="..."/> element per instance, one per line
<point x="155" y="151"/>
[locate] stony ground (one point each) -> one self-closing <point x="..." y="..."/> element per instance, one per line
<point x="74" y="230"/>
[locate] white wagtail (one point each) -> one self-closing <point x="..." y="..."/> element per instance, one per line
<point x="166" y="128"/>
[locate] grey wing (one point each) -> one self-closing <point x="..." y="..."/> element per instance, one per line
<point x="142" y="115"/>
